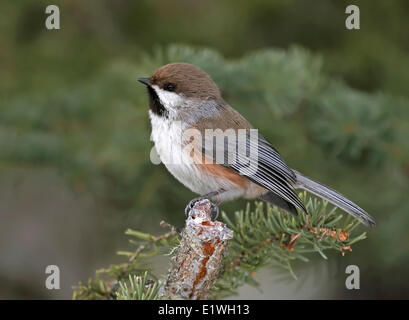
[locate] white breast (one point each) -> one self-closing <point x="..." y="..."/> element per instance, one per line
<point x="167" y="136"/>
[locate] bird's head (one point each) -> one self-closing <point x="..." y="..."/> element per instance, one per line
<point x="179" y="85"/>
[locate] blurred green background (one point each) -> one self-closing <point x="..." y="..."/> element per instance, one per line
<point x="74" y="132"/>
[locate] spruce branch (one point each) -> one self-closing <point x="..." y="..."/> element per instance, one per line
<point x="140" y="288"/>
<point x="271" y="237"/>
<point x="263" y="236"/>
<point x="107" y="281"/>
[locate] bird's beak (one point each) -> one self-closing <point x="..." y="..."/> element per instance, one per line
<point x="145" y="81"/>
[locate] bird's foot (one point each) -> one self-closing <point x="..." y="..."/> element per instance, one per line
<point x="214" y="207"/>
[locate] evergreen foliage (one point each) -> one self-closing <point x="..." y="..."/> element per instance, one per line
<point x="364" y="121"/>
<point x="139" y="289"/>
<point x="263" y="237"/>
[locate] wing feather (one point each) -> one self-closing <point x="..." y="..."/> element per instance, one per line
<point x="257" y="160"/>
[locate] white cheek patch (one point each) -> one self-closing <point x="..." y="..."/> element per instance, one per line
<point x="170" y="100"/>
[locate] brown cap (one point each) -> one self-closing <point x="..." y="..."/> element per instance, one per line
<point x="187" y="79"/>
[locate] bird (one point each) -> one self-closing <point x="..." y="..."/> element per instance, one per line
<point x="185" y="104"/>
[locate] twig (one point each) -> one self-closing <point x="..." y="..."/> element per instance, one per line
<point x="199" y="257"/>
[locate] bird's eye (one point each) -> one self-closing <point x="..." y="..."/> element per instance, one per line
<point x="170" y="87"/>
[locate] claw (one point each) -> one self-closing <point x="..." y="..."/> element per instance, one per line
<point x="192" y="202"/>
<point x="215" y="208"/>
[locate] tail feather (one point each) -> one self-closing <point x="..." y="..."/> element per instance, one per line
<point x="335" y="198"/>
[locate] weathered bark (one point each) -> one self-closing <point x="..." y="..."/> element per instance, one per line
<point x="199" y="257"/>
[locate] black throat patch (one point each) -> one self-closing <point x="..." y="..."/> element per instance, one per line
<point x="154" y="103"/>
